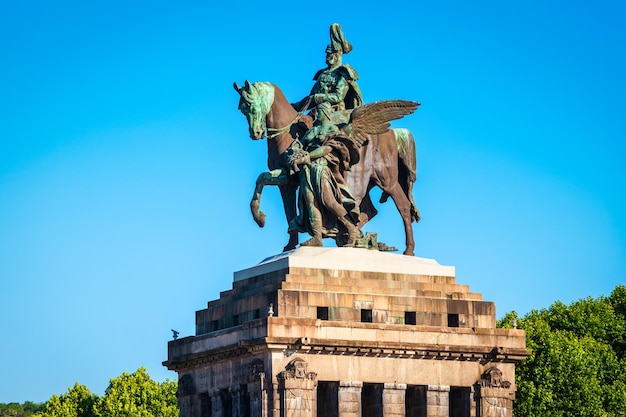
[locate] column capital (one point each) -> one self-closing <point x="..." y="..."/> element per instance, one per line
<point x="351" y="384"/>
<point x="442" y="388"/>
<point x="388" y="385"/>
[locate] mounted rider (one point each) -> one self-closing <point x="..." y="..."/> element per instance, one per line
<point x="337" y="83"/>
<point x="325" y="203"/>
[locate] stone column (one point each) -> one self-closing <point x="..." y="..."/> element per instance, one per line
<point x="186" y="393"/>
<point x="474" y="406"/>
<point x="350" y="398"/>
<point x="257" y="391"/>
<point x="275" y="412"/>
<point x="258" y="397"/>
<point x="235" y="394"/>
<point x="394" y="400"/>
<point x="438" y="401"/>
<point x="204" y="402"/>
<point x="184" y="405"/>
<point x="216" y="403"/>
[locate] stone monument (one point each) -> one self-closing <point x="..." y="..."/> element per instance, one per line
<point x="349" y="331"/>
<point x="332" y="170"/>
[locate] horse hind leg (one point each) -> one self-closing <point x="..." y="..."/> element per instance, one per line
<point x="367" y="210"/>
<point x="404" y="206"/>
<point x="407" y="167"/>
<point x="416" y="216"/>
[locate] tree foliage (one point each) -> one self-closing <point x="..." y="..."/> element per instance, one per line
<point x="137" y="395"/>
<point x="129" y="395"/>
<point x="78" y="401"/>
<point x="577" y="366"/>
<point x="27" y="409"/>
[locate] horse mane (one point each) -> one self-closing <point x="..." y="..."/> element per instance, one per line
<point x="261" y="92"/>
<point x="265" y="92"/>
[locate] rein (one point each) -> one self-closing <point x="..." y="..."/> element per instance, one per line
<point x="273" y="132"/>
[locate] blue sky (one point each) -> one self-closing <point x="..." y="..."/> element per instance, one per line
<point x="126" y="169"/>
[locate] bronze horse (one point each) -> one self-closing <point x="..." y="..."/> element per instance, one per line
<point x="387" y="161"/>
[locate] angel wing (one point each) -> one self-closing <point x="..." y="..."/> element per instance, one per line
<point x="374" y="118"/>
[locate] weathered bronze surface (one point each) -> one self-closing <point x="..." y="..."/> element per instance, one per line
<point x="337" y="83"/>
<point x="333" y="156"/>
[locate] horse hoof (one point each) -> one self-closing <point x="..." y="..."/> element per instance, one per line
<point x="408" y="253"/>
<point x="260" y="219"/>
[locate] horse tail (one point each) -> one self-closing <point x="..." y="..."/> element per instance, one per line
<point x="407" y="168"/>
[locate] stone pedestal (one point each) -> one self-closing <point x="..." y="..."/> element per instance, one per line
<point x="371" y="333"/>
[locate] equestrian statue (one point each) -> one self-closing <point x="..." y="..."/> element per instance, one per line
<point x="326" y="161"/>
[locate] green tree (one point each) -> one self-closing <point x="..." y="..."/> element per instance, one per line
<point x="78" y="401"/>
<point x="137" y="395"/>
<point x="30" y="408"/>
<point x="11" y="410"/>
<point x="618" y="301"/>
<point x="577" y="365"/>
<point x="27" y="409"/>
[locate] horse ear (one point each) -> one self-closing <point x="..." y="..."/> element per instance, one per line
<point x="237" y="88"/>
<point x="246" y="85"/>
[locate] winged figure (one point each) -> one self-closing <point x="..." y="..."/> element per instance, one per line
<point x="325" y="203"/>
<point x="374" y="118"/>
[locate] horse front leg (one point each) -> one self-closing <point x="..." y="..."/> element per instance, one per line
<point x="274" y="177"/>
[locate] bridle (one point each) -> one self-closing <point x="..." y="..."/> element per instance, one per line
<point x="271" y="133"/>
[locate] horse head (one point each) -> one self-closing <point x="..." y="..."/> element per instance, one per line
<point x="255" y="103"/>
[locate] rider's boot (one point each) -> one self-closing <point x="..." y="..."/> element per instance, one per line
<point x="316" y="225"/>
<point x="293" y="241"/>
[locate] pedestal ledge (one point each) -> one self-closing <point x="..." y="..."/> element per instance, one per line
<point x="349" y="259"/>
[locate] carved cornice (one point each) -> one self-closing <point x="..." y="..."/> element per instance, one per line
<point x="483" y="354"/>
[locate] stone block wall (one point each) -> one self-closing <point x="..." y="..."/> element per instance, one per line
<point x="428" y="300"/>
<point x="369" y="334"/>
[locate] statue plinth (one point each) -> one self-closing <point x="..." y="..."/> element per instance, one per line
<point x="329" y="320"/>
<point x="347" y="259"/>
